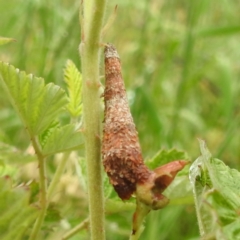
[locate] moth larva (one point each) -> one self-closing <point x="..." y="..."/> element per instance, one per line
<point x="122" y="157"/>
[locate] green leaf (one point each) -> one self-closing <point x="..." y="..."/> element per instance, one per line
<point x="7" y="170"/>
<point x="16" y="213"/>
<point x="4" y="40"/>
<point x="179" y="191"/>
<point x="63" y="139"/>
<point x="47" y="132"/>
<point x="107" y="188"/>
<point x="224" y="179"/>
<point x="218" y="31"/>
<point x="216" y="195"/>
<point x="73" y="78"/>
<point x="165" y="156"/>
<point x="231" y="231"/>
<point x="36" y="103"/>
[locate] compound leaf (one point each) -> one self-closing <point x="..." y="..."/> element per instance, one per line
<point x="16" y="213"/>
<point x="165" y="156"/>
<point x="36" y="103"/>
<point x="216" y="194"/>
<point x="62" y="139"/>
<point x="73" y="78"/>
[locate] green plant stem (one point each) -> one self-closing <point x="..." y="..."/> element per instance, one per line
<point x="76" y="229"/>
<point x="43" y="190"/>
<point x="57" y="175"/>
<point x="89" y="50"/>
<point x="141" y="212"/>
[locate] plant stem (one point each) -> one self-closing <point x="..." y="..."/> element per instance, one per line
<point x="76" y="229"/>
<point x="141" y="212"/>
<point x="43" y="190"/>
<point x="89" y="50"/>
<point x="57" y="175"/>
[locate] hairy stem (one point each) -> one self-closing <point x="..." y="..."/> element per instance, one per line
<point x="91" y="24"/>
<point x="43" y="190"/>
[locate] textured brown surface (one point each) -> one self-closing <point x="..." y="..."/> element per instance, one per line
<point x="122" y="158"/>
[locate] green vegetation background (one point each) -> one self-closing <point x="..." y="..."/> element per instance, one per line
<point x="181" y="66"/>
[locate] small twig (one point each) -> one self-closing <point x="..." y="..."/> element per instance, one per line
<point x="110" y="21"/>
<point x="76" y="229"/>
<point x="43" y="190"/>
